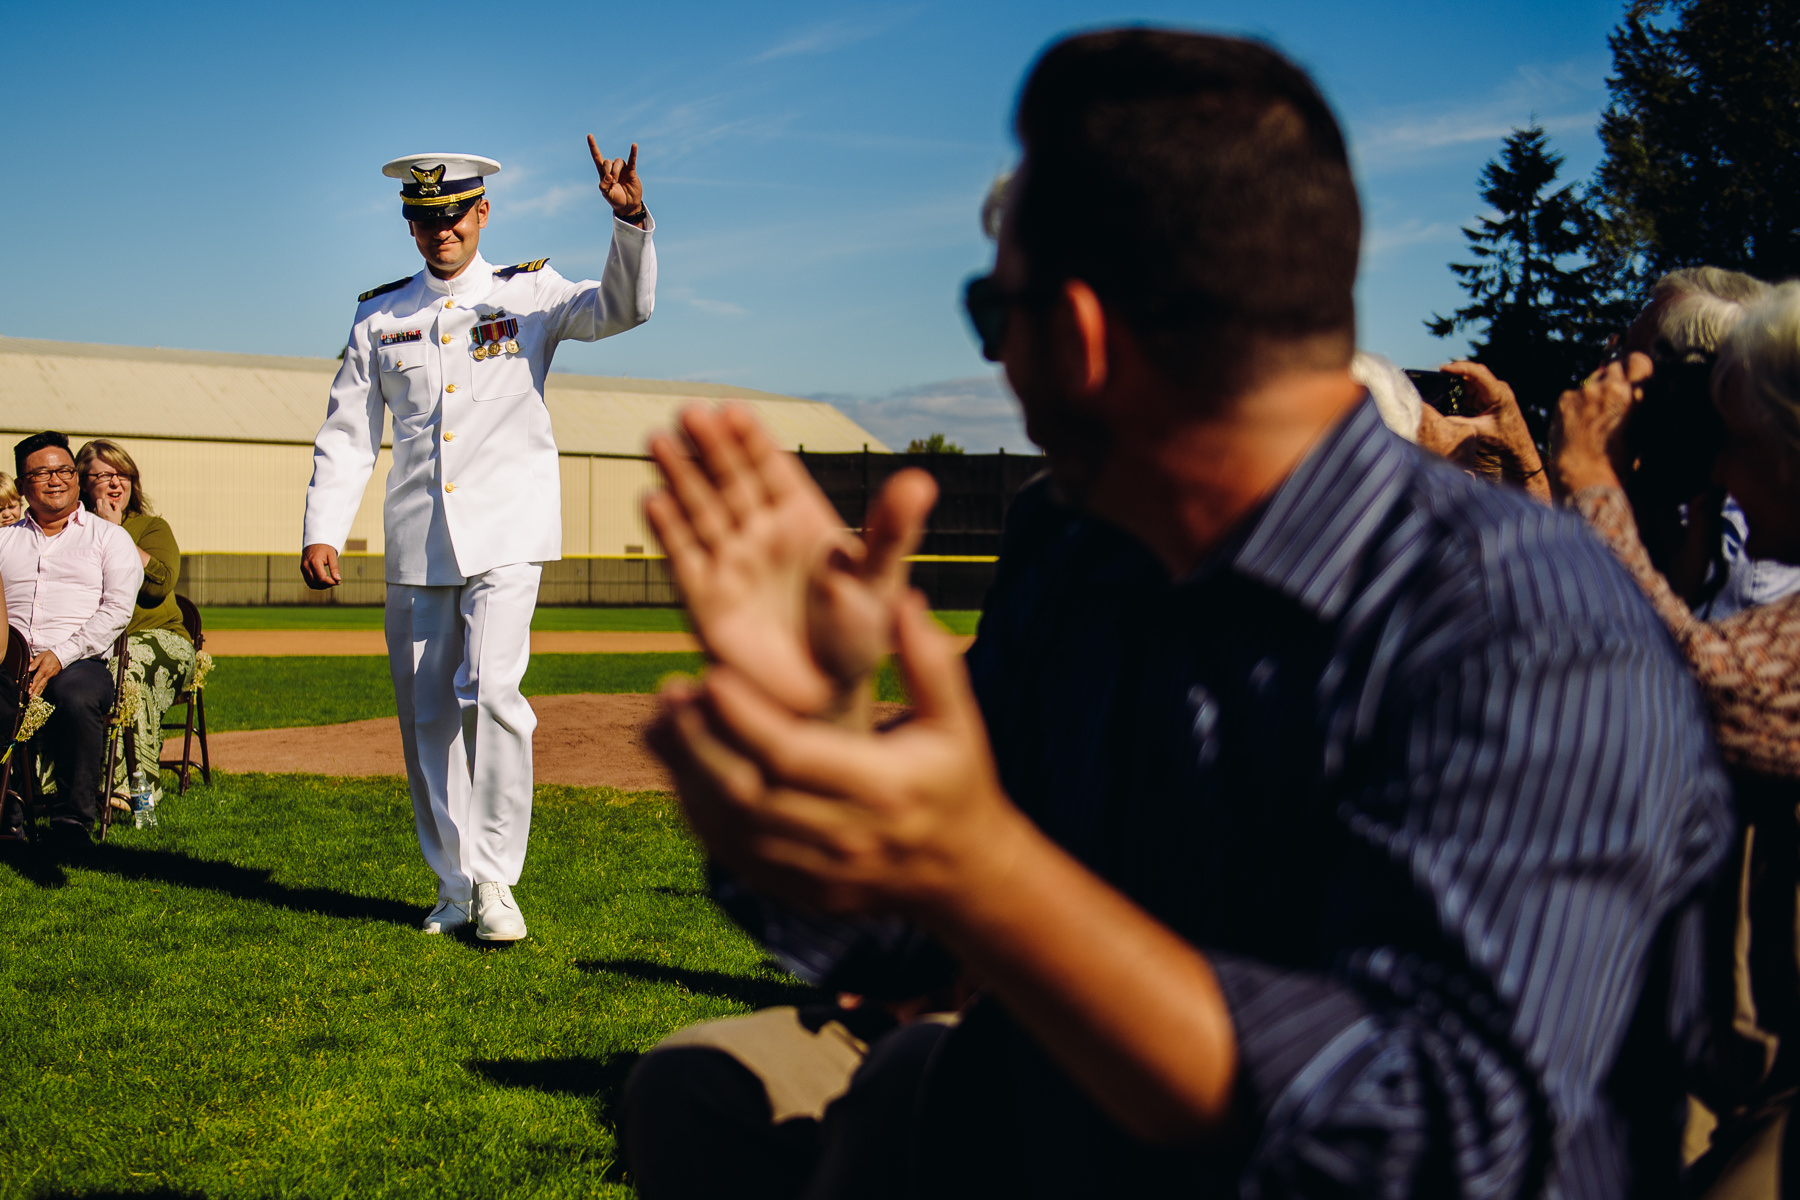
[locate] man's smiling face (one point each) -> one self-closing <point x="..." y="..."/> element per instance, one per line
<point x="48" y="484"/>
<point x="449" y="246"/>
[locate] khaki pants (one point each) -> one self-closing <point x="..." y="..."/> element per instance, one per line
<point x="785" y="1103"/>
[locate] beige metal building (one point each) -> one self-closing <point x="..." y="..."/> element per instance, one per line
<point x="224" y="443"/>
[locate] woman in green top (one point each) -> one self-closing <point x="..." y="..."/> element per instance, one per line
<point x="162" y="653"/>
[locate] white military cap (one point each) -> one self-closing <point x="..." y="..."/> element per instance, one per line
<point x="440" y="187"/>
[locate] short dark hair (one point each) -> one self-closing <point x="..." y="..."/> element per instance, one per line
<point x="34" y="443"/>
<point x="1225" y="215"/>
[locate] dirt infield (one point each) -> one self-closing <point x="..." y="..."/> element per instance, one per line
<point x="342" y="642"/>
<point x="586" y="740"/>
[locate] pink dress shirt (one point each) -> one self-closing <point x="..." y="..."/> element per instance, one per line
<point x="71" y="594"/>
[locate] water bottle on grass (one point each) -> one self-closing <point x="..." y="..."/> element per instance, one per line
<point x="143" y="800"/>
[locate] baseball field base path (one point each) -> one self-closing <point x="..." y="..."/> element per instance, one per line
<point x="585" y="740"/>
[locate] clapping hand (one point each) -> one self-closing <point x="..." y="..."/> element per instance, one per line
<point x="619" y="181"/>
<point x="906" y="821"/>
<point x="776" y="586"/>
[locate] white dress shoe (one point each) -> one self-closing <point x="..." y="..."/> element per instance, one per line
<point x="497" y="917"/>
<point x="447" y="917"/>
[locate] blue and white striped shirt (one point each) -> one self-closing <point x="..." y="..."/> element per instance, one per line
<point x="1417" y="767"/>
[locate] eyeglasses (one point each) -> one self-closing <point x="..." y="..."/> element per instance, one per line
<point x="43" y="474"/>
<point x="104" y="478"/>
<point x="989" y="307"/>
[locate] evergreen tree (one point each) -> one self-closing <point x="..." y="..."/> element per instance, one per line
<point x="1702" y="139"/>
<point x="1537" y="300"/>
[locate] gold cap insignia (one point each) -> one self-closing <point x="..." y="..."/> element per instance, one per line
<point x="428" y="180"/>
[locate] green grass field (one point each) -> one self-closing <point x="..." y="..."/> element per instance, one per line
<point x="276" y="693"/>
<point x="546" y="620"/>
<point x="238" y="1002"/>
<point x="279" y="693"/>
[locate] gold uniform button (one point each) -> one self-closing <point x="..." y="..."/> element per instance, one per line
<point x="449" y="435"/>
<point x="449" y="387"/>
<point x="445" y="339"/>
<point x="449" y="304"/>
<point x="449" y="487"/>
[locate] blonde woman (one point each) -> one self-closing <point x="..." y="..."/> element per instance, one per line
<point x="162" y="653"/>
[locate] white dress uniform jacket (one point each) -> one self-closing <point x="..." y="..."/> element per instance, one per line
<point x="475" y="483"/>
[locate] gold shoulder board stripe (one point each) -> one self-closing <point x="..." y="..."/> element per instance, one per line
<point x="383" y="289"/>
<point x="533" y="266"/>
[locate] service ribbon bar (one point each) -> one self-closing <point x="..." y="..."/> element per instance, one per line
<point x="494" y="331"/>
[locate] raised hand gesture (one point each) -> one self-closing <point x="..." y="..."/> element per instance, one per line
<point x="619" y="181"/>
<point x="776" y="586"/>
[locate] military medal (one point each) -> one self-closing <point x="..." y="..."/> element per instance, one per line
<point x="494" y="338"/>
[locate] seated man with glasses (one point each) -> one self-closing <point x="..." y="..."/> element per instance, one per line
<point x="70" y="582"/>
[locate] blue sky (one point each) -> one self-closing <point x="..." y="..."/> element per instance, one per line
<point x="208" y="177"/>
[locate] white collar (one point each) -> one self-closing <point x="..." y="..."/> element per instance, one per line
<point x="471" y="283"/>
<point x="78" y="517"/>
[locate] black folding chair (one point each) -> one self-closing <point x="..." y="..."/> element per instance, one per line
<point x="18" y="770"/>
<point x="120" y="736"/>
<point x="195" y="698"/>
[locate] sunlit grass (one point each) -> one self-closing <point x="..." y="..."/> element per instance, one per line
<point x="238" y="1002"/>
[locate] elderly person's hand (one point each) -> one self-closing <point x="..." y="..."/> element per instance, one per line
<point x="1592" y="417"/>
<point x="1491" y="397"/>
<point x="1448" y="437"/>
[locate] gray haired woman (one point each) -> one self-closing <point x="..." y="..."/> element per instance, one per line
<point x="1748" y="667"/>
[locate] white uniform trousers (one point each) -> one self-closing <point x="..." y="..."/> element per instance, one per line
<point x="458" y="655"/>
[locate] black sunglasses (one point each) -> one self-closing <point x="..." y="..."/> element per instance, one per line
<point x="988" y="306"/>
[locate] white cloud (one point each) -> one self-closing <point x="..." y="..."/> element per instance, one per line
<point x="1490" y="123"/>
<point x="723" y="308"/>
<point x="834" y="35"/>
<point x="551" y="202"/>
<point x="978" y="413"/>
<point x="1561" y="97"/>
<point x="1411" y="232"/>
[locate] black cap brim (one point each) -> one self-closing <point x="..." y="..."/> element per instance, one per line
<point x="440" y="212"/>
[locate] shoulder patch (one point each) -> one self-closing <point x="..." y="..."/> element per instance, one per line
<point x="383" y="289"/>
<point x="509" y="272"/>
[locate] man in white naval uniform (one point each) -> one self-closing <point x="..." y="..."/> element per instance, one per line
<point x="458" y="353"/>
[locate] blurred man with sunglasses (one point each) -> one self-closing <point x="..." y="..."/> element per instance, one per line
<point x="71" y="580"/>
<point x="1312" y="818"/>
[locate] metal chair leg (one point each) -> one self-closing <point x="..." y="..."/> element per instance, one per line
<point x="205" y="754"/>
<point x="106" y="781"/>
<point x="187" y="749"/>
